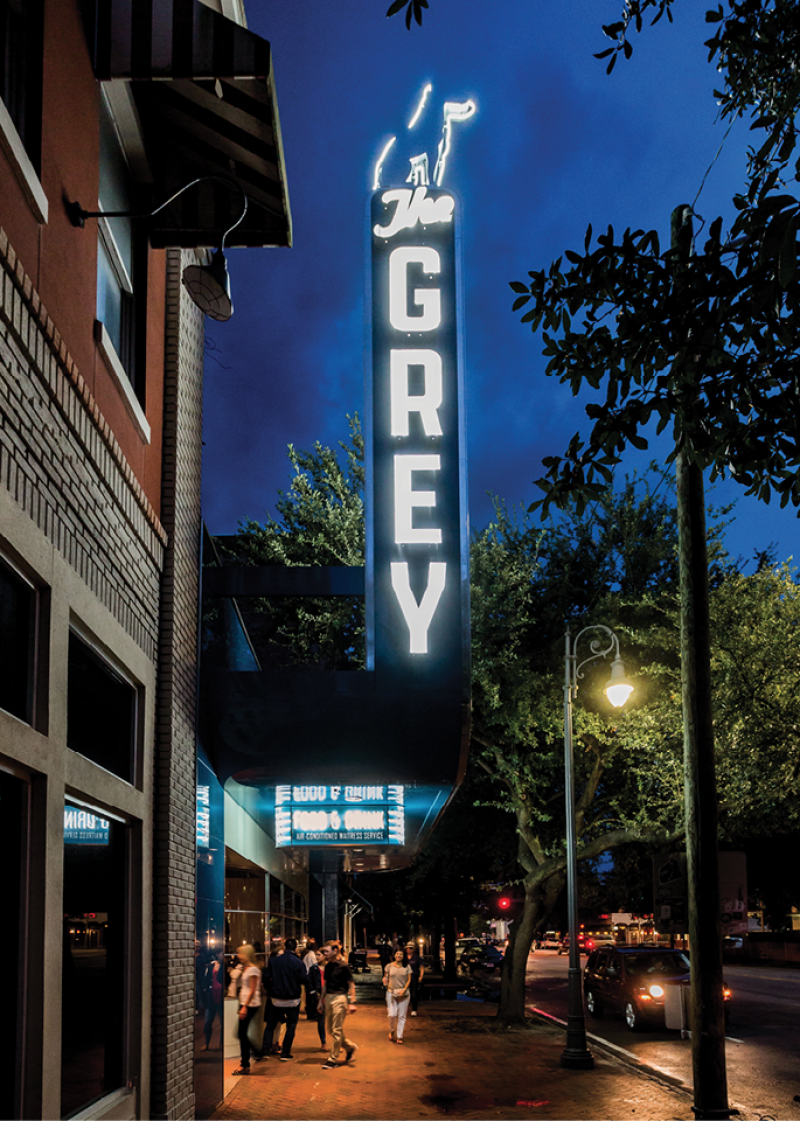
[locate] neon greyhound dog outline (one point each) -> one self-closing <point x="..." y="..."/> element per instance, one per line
<point x="419" y="175"/>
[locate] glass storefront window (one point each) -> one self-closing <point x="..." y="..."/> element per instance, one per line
<point x="101" y="710"/>
<point x="17" y="615"/>
<point x="94" y="981"/>
<point x="13" y="816"/>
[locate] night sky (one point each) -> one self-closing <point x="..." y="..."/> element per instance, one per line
<point x="556" y="144"/>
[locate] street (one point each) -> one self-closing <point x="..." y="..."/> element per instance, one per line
<point x="763" y="1033"/>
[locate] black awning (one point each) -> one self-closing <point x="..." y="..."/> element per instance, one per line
<point x="204" y="91"/>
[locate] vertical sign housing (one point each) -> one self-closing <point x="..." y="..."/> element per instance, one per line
<point x="418" y="539"/>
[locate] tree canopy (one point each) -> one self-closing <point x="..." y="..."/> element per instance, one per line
<point x="612" y="563"/>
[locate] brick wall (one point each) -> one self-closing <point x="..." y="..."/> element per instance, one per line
<point x="63" y="466"/>
<point x="172" y="1080"/>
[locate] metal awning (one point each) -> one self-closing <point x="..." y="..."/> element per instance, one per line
<point x="204" y="92"/>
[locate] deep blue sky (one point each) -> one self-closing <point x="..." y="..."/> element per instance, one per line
<point x="556" y="144"/>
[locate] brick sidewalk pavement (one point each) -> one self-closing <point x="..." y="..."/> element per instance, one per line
<point x="451" y="1066"/>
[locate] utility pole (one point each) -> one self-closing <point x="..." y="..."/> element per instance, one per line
<point x="706" y="1016"/>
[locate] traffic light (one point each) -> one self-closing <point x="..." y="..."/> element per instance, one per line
<point x="506" y="906"/>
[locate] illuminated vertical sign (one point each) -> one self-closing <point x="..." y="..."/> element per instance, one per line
<point x="203" y="817"/>
<point x="418" y="532"/>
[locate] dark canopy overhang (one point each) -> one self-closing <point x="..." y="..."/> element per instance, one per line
<point x="204" y="91"/>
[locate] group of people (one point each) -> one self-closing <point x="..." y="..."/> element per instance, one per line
<point x="330" y="989"/>
<point x="330" y="995"/>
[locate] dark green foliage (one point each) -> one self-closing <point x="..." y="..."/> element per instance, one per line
<point x="413" y="10"/>
<point x="320" y="522"/>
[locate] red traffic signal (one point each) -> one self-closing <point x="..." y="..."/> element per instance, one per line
<point x="504" y="903"/>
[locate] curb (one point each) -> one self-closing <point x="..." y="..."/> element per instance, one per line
<point x="620" y="1053"/>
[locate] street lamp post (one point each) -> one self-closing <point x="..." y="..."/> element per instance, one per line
<point x="576" y="1054"/>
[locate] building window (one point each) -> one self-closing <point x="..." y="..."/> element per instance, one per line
<point x="13" y="878"/>
<point x="120" y="260"/>
<point x="101" y="710"/>
<point x="21" y="72"/>
<point x="94" y="1004"/>
<point x="18" y="628"/>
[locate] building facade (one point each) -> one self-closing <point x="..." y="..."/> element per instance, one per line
<point x="113" y="107"/>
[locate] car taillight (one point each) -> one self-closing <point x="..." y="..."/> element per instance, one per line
<point x="726" y="994"/>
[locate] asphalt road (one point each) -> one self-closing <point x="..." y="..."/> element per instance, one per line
<point x="763" y="1048"/>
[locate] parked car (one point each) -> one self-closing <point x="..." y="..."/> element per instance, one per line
<point x="604" y="941"/>
<point x="633" y="980"/>
<point x="550" y="940"/>
<point x="733" y="942"/>
<point x="480" y="957"/>
<point x="585" y="945"/>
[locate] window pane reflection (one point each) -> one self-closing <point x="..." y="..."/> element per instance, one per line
<point x="93" y="978"/>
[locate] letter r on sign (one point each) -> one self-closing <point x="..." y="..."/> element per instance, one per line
<point x="428" y="402"/>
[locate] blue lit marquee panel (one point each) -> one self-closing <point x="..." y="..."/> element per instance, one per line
<point x="417" y="533"/>
<point x="339" y="815"/>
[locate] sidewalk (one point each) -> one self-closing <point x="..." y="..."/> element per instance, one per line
<point x="451" y="1066"/>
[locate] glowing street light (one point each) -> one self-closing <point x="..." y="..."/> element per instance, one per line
<point x="576" y="1054"/>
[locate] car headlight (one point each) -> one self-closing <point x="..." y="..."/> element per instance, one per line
<point x="656" y="991"/>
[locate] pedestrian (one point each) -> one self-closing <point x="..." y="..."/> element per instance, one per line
<point x="213" y="991"/>
<point x="417" y="973"/>
<point x="249" y="1002"/>
<point x="397" y="982"/>
<point x="338" y="999"/>
<point x="286" y="979"/>
<point x="314" y="994"/>
<point x="310" y="957"/>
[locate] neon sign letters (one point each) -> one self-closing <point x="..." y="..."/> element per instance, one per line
<point x="417" y="460"/>
<point x="339" y="815"/>
<point x="452" y="113"/>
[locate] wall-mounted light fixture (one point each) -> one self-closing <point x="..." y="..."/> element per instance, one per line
<point x="209" y="286"/>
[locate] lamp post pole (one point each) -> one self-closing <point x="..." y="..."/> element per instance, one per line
<point x="576" y="1055"/>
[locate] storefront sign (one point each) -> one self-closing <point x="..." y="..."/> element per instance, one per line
<point x="418" y="533"/>
<point x="203" y="820"/>
<point x="339" y="815"/>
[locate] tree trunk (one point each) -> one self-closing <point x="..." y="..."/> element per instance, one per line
<point x="539" y="902"/>
<point x="705" y="936"/>
<point x="450" y="970"/>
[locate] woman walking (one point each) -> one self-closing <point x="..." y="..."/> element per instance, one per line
<point x="249" y="1002"/>
<point x="397" y="981"/>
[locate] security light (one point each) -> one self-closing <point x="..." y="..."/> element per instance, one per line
<point x="209" y="286"/>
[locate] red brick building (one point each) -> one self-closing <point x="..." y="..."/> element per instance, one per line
<point x="114" y="105"/>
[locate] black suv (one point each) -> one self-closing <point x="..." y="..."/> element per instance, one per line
<point x="633" y="980"/>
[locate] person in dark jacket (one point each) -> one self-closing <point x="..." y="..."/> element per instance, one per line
<point x="286" y="977"/>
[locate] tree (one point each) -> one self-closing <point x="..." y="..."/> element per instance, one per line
<point x="614" y="565"/>
<point x="320" y="522"/>
<point x="756" y="685"/>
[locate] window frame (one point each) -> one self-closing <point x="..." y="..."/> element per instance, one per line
<point x="130" y="998"/>
<point x="126" y="355"/>
<point x="115" y="669"/>
<point x="36" y="712"/>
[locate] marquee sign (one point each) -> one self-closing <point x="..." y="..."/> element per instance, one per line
<point x="339" y="815"/>
<point x="418" y="534"/>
